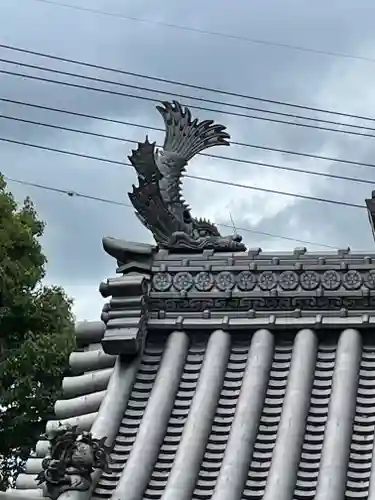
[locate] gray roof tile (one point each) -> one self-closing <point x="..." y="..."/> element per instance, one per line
<point x="83" y="394"/>
<point x="240" y="404"/>
<point x="247" y="416"/>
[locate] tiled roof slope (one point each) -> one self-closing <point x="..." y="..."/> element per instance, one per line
<point x="83" y="394"/>
<point x="241" y="416"/>
<point x="256" y="379"/>
<point x="231" y="416"/>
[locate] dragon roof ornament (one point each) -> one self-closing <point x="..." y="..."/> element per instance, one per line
<point x="158" y="197"/>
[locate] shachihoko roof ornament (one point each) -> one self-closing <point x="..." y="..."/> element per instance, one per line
<point x="158" y="197"/>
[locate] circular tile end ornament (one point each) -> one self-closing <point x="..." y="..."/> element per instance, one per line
<point x="352" y="280"/>
<point x="331" y="280"/>
<point x="246" y="281"/>
<point x="267" y="280"/>
<point x="162" y="282"/>
<point x="204" y="281"/>
<point x="225" y="281"/>
<point x="288" y="280"/>
<point x="309" y="280"/>
<point x="183" y="281"/>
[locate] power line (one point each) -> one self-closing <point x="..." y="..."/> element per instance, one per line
<point x="210" y="155"/>
<point x="212" y="33"/>
<point x="72" y="193"/>
<point x="178" y="83"/>
<point x="158" y="129"/>
<point x="195" y="177"/>
<point x="200" y="99"/>
<point x="200" y="108"/>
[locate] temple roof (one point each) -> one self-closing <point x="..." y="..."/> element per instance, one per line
<point x="224" y="415"/>
<point x="215" y="372"/>
<point x="240" y="375"/>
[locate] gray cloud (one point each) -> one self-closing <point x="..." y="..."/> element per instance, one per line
<point x="75" y="226"/>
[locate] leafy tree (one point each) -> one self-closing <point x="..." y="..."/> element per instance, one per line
<point x="36" y="335"/>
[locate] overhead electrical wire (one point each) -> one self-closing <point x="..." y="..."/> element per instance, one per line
<point x="201" y="108"/>
<point x="209" y="32"/>
<point x="113" y="202"/>
<point x="77" y="194"/>
<point x="200" y="99"/>
<point x="181" y="84"/>
<point x="196" y="107"/>
<point x="158" y="129"/>
<point x="210" y="155"/>
<point x="195" y="177"/>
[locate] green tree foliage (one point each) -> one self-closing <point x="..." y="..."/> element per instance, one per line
<point x="36" y="335"/>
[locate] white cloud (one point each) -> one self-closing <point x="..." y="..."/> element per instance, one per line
<point x="75" y="226"/>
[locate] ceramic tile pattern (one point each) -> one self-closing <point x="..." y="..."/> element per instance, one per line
<point x="233" y="416"/>
<point x="273" y="399"/>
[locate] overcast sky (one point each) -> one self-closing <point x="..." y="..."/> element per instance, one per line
<point x="75" y="226"/>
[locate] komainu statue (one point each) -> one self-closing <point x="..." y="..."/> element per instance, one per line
<point x="158" y="198"/>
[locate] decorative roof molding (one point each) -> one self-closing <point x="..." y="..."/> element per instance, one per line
<point x="257" y="257"/>
<point x="242" y="282"/>
<point x="72" y="459"/>
<point x="320" y="322"/>
<point x="125" y="315"/>
<point x="158" y="198"/>
<point x="131" y="257"/>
